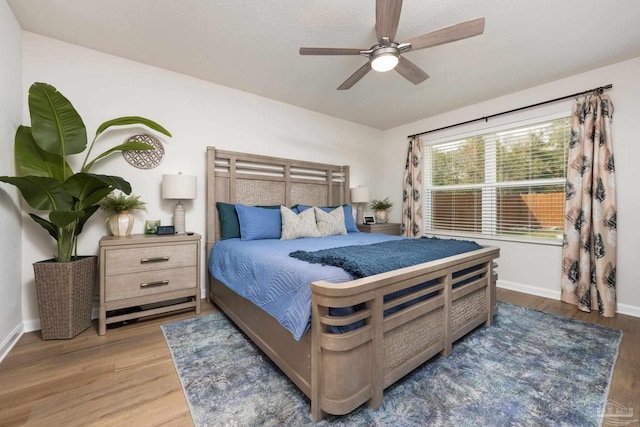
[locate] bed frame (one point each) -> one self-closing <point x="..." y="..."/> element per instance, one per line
<point x="339" y="372"/>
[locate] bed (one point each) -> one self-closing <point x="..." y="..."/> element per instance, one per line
<point x="339" y="372"/>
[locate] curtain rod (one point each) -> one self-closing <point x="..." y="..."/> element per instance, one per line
<point x="597" y="90"/>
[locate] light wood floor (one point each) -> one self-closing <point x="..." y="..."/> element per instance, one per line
<point x="127" y="376"/>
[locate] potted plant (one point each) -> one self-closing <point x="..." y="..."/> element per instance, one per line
<point x="381" y="207"/>
<point x="64" y="285"/>
<point x="117" y="208"/>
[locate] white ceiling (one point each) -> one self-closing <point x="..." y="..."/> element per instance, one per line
<point x="252" y="45"/>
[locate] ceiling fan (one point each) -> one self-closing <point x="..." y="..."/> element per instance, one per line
<point x="386" y="55"/>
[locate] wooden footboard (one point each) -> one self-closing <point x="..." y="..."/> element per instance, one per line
<point x="352" y="368"/>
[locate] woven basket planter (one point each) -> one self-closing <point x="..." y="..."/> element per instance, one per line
<point x="65" y="295"/>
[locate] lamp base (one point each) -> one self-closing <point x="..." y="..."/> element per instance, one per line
<point x="359" y="214"/>
<point x="178" y="218"/>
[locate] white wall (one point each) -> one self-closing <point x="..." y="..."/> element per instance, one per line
<point x="198" y="114"/>
<point x="10" y="118"/>
<point x="536" y="268"/>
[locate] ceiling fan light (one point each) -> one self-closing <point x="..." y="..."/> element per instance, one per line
<point x="384" y="62"/>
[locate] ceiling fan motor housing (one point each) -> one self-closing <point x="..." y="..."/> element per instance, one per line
<point x="384" y="58"/>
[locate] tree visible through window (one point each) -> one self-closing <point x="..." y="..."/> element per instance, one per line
<point x="508" y="183"/>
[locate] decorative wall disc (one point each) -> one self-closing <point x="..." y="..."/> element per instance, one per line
<point x="145" y="159"/>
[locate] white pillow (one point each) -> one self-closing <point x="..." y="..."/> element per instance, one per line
<point x="296" y="226"/>
<point x="330" y="223"/>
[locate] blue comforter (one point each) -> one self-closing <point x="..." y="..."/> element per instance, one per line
<point x="263" y="272"/>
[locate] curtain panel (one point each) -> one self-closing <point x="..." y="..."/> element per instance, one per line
<point x="412" y="191"/>
<point x="590" y="227"/>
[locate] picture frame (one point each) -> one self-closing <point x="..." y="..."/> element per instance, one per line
<point x="368" y="219"/>
<point x="151" y="226"/>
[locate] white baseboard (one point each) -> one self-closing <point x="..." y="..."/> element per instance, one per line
<point x="629" y="310"/>
<point x="7" y="344"/>
<point x="31" y="325"/>
<point x="527" y="289"/>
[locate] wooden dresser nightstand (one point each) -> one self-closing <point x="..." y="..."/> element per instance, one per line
<point x="147" y="274"/>
<point x="391" y="228"/>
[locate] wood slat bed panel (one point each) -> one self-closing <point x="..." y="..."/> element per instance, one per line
<point x="263" y="180"/>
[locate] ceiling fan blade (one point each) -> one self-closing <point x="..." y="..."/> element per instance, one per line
<point x="329" y="51"/>
<point x="411" y="71"/>
<point x="453" y="33"/>
<point x="387" y="18"/>
<point x="355" y="77"/>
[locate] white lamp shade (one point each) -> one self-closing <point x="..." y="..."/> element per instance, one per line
<point x="359" y="195"/>
<point x="181" y="187"/>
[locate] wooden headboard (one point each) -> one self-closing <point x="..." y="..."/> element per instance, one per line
<point x="252" y="179"/>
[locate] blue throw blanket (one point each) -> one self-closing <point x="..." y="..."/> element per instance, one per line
<point x="368" y="260"/>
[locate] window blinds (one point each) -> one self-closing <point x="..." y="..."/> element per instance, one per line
<point x="508" y="183"/>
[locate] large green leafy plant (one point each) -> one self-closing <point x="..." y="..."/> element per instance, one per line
<point x="45" y="177"/>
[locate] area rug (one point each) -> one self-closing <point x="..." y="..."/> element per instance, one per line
<point x="529" y="369"/>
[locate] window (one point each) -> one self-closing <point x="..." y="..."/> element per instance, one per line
<point x="508" y="184"/>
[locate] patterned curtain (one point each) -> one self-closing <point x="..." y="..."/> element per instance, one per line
<point x="589" y="246"/>
<point x="412" y="191"/>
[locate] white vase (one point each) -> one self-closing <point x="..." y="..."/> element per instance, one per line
<point x="121" y="223"/>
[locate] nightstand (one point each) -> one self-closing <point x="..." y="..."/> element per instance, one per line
<point x="147" y="274"/>
<point x="391" y="228"/>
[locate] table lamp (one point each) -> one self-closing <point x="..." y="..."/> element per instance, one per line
<point x="179" y="187"/>
<point x="359" y="195"/>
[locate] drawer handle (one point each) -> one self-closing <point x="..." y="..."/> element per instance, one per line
<point x="151" y="284"/>
<point x="156" y="259"/>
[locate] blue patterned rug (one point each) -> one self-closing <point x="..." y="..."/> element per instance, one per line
<point x="530" y="369"/>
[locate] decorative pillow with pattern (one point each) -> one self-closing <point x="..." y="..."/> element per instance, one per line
<point x="349" y="222"/>
<point x="297" y="226"/>
<point x="330" y="223"/>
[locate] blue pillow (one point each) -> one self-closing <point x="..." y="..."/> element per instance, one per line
<point x="349" y="222"/>
<point x="259" y="223"/>
<point x="229" y="223"/>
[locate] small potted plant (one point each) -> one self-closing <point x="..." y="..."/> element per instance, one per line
<point x="381" y="207"/>
<point x="117" y="208"/>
